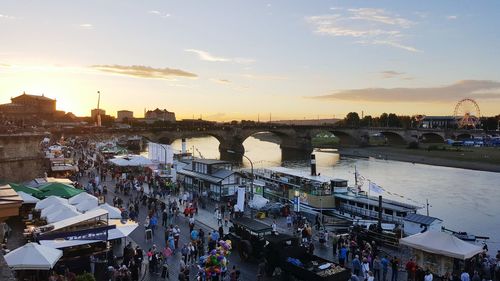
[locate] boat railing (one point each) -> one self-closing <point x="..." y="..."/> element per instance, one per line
<point x="368" y="213"/>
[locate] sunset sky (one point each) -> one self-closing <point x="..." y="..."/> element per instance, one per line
<point x="231" y="59"/>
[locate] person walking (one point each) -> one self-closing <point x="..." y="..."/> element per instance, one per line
<point x="365" y="268"/>
<point x="377" y="266"/>
<point x="335" y="240"/>
<point x="385" y="267"/>
<point x="394" y="268"/>
<point x="356" y="265"/>
<point x="411" y="268"/>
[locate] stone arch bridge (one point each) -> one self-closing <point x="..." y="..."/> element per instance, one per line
<point x="299" y="138"/>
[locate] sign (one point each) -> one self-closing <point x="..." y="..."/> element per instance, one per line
<point x="149" y="234"/>
<point x="240" y="202"/>
<point x="98" y="233"/>
<point x="296" y="204"/>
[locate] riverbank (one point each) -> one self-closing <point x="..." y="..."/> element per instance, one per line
<point x="482" y="159"/>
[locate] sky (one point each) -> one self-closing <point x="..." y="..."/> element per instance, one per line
<point x="233" y="60"/>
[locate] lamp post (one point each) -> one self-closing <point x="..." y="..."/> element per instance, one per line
<point x="161" y="145"/>
<point x="252" y="176"/>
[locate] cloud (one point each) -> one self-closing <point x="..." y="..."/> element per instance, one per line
<point x="7" y="17"/>
<point x="483" y="89"/>
<point x="391" y="73"/>
<point x="366" y="25"/>
<point x="142" y="71"/>
<point x="158" y="13"/>
<point x="206" y="56"/>
<point x="452" y="17"/>
<point x="220" y="81"/>
<point x="263" y="77"/>
<point x="86" y="26"/>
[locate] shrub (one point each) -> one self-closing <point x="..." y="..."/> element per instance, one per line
<point x="85" y="277"/>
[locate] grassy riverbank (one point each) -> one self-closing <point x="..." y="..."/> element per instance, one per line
<point x="475" y="158"/>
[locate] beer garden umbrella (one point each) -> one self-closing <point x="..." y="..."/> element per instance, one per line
<point x="33" y="256"/>
<point x="58" y="189"/>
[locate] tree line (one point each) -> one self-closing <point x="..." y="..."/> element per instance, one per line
<point x="352" y="119"/>
<point x="393" y="120"/>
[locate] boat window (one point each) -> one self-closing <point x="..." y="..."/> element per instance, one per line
<point x="389" y="212"/>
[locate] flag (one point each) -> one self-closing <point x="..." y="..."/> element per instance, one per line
<point x="375" y="188"/>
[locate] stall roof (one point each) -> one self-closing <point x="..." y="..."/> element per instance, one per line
<point x="441" y="243"/>
<point x="78" y="219"/>
<point x="253" y="225"/>
<point x="59" y="244"/>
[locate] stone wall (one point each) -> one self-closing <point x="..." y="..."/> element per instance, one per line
<point x="21" y="158"/>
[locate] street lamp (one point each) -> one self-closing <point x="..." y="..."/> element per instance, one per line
<point x="252" y="176"/>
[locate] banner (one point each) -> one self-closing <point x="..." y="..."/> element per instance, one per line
<point x="375" y="188"/>
<point x="98" y="233"/>
<point x="240" y="203"/>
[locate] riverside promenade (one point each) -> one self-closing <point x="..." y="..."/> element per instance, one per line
<point x="205" y="220"/>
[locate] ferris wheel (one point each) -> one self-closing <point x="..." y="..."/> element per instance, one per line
<point x="468" y="113"/>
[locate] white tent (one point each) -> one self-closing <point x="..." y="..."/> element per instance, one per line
<point x="258" y="201"/>
<point x="86" y="205"/>
<point x="49" y="201"/>
<point x="33" y="256"/>
<point x="113" y="212"/>
<point x="27" y="198"/>
<point x="123" y="229"/>
<point x="441" y="243"/>
<point x="61" y="215"/>
<point x="131" y="160"/>
<point x="56" y="208"/>
<point x="77" y="199"/>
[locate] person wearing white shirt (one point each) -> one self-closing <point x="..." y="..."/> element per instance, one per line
<point x="275" y="230"/>
<point x="428" y="276"/>
<point x="365" y="268"/>
<point x="465" y="276"/>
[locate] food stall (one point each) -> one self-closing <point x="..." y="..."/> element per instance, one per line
<point x="440" y="252"/>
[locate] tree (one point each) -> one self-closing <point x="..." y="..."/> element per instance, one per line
<point x="367" y="121"/>
<point x="352" y="119"/>
<point x="383" y="120"/>
<point x="490" y="123"/>
<point x="393" y="120"/>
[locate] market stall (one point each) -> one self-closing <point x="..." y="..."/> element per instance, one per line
<point x="438" y="251"/>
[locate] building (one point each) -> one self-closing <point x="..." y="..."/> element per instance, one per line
<point x="160" y="115"/>
<point x="440" y="122"/>
<point x="212" y="177"/>
<point x="94" y="112"/>
<point x="122" y="114"/>
<point x="29" y="107"/>
<point x="417" y="223"/>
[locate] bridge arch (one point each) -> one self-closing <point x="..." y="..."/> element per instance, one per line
<point x="431" y="138"/>
<point x="345" y="138"/>
<point x="463" y="136"/>
<point x="394" y="138"/>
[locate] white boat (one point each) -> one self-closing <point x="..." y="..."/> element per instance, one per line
<point x="328" y="195"/>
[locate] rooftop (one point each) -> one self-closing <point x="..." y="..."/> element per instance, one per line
<point x="421" y="219"/>
<point x="211" y="161"/>
<point x="42" y="97"/>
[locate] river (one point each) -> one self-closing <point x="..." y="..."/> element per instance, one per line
<point x="466" y="200"/>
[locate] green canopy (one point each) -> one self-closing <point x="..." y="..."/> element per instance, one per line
<point x="58" y="189"/>
<point x="26" y="189"/>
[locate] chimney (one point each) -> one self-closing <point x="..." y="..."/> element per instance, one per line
<point x="183" y="147"/>
<point x="313" y="165"/>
